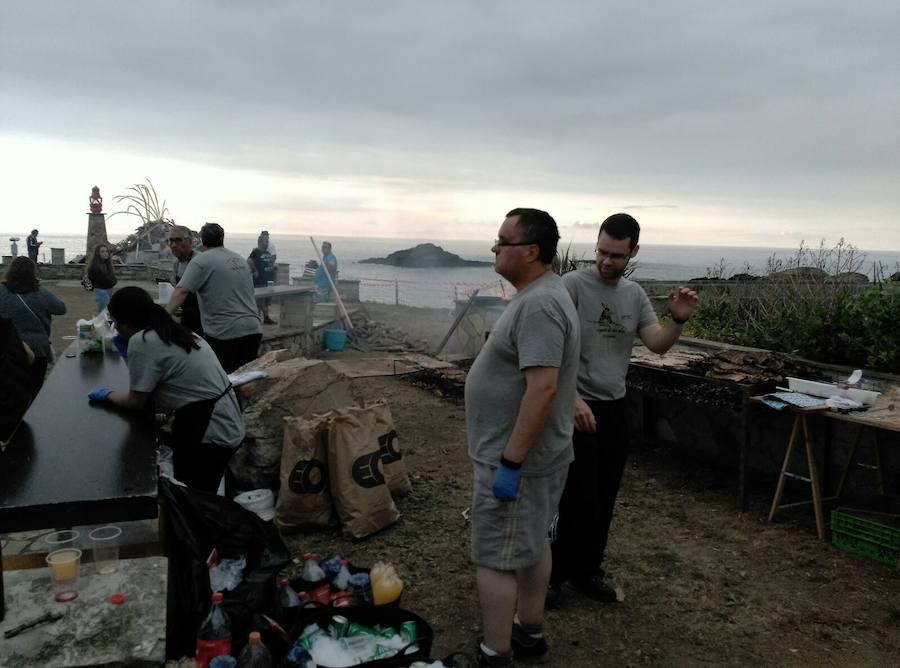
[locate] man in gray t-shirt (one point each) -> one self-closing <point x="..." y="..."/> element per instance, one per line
<point x="612" y="311"/>
<point x="224" y="285"/>
<point x="519" y="395"/>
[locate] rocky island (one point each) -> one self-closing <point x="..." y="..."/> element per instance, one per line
<point x="425" y="256"/>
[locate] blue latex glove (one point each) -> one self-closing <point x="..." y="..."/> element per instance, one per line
<point x="506" y="483"/>
<point x="121" y="345"/>
<point x="99" y="394"/>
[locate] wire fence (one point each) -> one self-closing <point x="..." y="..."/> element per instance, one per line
<point x="427" y="294"/>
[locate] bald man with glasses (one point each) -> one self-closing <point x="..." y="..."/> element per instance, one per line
<point x="181" y="244"/>
<point x="612" y="311"/>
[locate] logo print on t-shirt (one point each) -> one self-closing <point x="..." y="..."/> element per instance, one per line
<point x="607" y="323"/>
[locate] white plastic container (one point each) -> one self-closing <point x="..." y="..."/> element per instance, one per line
<point x="165" y="291"/>
<point x="828" y="390"/>
<point x="259" y="501"/>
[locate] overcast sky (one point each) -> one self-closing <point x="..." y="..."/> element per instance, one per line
<point x="714" y="123"/>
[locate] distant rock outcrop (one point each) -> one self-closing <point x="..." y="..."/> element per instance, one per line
<point x="425" y="256"/>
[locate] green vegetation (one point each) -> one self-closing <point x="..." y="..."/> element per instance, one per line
<point x="816" y="304"/>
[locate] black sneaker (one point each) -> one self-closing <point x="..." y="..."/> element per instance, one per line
<point x="496" y="661"/>
<point x="596" y="588"/>
<point x="527" y="648"/>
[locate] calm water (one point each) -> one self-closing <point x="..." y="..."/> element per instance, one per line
<point x="438" y="287"/>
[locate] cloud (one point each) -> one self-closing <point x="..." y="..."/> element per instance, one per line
<point x="783" y="112"/>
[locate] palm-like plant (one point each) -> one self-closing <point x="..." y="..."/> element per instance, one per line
<point x="143" y="202"/>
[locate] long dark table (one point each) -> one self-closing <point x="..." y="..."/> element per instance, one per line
<point x="71" y="462"/>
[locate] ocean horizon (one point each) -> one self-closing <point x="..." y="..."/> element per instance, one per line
<point x="441" y="286"/>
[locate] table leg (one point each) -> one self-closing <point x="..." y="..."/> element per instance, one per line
<point x="779" y="489"/>
<point x="814" y="480"/>
<point x="850" y="460"/>
<point x="878" y="471"/>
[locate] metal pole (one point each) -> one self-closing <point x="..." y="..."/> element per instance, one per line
<point x="396" y="292"/>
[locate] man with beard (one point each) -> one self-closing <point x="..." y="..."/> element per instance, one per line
<point x="612" y="310"/>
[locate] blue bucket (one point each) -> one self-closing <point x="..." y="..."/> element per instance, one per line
<point x="335" y="339"/>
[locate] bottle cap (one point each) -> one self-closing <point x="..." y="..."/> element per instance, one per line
<point x="117" y="599"/>
<point x="344" y="562"/>
<point x="217" y="597"/>
<point x="310" y="555"/>
<point x="283" y="581"/>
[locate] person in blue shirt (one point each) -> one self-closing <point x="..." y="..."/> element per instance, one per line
<point x="329" y="264"/>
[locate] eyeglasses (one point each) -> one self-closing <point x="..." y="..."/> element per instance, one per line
<point x="175" y="240"/>
<point x="615" y="257"/>
<point x="501" y="243"/>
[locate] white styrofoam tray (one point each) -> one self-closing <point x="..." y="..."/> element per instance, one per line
<point x="827" y="390"/>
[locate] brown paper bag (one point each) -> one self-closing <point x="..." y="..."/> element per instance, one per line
<point x="361" y="497"/>
<point x="392" y="463"/>
<point x="304" y="499"/>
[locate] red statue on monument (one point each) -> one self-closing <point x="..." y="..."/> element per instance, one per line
<point x="95" y="200"/>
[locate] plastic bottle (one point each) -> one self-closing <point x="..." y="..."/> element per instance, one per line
<point x="214" y="635"/>
<point x="289" y="601"/>
<point x="386" y="585"/>
<point x="255" y="654"/>
<point x="342" y="579"/>
<point x="299" y="657"/>
<point x="312" y="572"/>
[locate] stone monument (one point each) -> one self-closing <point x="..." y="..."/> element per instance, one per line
<point x="96" y="224"/>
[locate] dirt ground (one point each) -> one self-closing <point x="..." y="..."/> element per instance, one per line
<point x="704" y="583"/>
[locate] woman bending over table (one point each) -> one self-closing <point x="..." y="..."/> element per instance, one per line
<point x="181" y="373"/>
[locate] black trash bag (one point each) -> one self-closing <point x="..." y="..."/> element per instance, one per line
<point x="195" y="523"/>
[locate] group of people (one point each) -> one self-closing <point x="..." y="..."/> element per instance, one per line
<point x="547" y="425"/>
<point x="183" y="366"/>
<point x="547" y="420"/>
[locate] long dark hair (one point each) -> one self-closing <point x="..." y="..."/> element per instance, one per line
<point x="134" y="307"/>
<point x="21" y="277"/>
<point x="101" y="265"/>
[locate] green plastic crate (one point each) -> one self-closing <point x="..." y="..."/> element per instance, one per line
<point x="865" y="536"/>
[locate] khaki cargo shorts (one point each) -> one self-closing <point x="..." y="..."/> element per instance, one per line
<point x="508" y="535"/>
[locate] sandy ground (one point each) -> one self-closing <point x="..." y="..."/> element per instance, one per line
<point x="704" y="583"/>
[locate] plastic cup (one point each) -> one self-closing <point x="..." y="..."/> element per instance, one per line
<point x="105" y="543"/>
<point x="64" y="566"/>
<point x="60" y="539"/>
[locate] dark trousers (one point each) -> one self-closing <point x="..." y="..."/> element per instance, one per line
<point x="235" y="353"/>
<point x="201" y="465"/>
<point x="586" y="506"/>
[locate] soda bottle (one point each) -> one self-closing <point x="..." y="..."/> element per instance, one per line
<point x="255" y="654"/>
<point x="342" y="579"/>
<point x="312" y="572"/>
<point x="214" y="635"/>
<point x="386" y="585"/>
<point x="290" y="602"/>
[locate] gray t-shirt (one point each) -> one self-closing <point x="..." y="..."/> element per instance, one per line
<point x="177" y="378"/>
<point x="180" y="267"/>
<point x="224" y="285"/>
<point x="538" y="328"/>
<point x="610" y="318"/>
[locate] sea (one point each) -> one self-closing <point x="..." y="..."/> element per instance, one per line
<point x="440" y="288"/>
